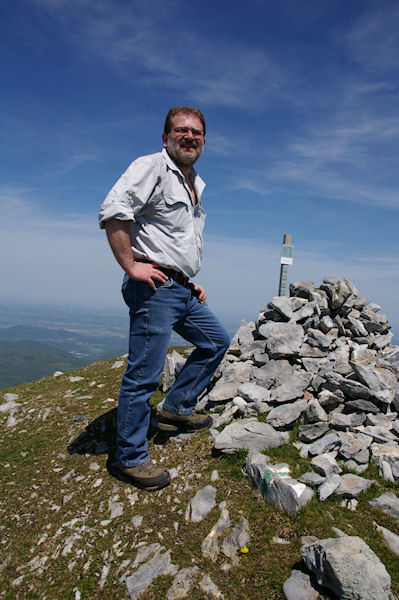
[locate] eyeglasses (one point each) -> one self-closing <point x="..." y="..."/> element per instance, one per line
<point x="184" y="130"/>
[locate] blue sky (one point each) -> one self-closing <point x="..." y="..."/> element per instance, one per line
<point x="301" y="102"/>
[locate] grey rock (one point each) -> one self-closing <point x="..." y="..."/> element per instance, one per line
<point x="201" y="505"/>
<point x="286" y="415"/>
<point x="395" y="469"/>
<point x="312" y="432"/>
<point x="285" y="493"/>
<point x="385" y="451"/>
<point x="349" y="387"/>
<point x="329" y="399"/>
<point x="306" y="350"/>
<point x="325" y="444"/>
<point x="245" y="333"/>
<point x="173" y="365"/>
<point x="300" y="586"/>
<point x="342" y="421"/>
<point x="361" y="405"/>
<point x="352" y="445"/>
<point x="385" y="470"/>
<point x="349" y="567"/>
<point x="251" y="392"/>
<point x="363" y="356"/>
<point x="255" y="468"/>
<point x="291" y="389"/>
<point x="353" y="485"/>
<point x="238" y="538"/>
<point x="311" y="478"/>
<point x="356" y="326"/>
<point x="389" y="503"/>
<point x="249" y="434"/>
<point x="160" y="564"/>
<point x="223" y="390"/>
<point x="274" y="373"/>
<point x="314" y="365"/>
<point x="381" y="341"/>
<point x="326" y="324"/>
<point x="182" y="583"/>
<point x="391" y="539"/>
<point x="352" y="465"/>
<point x="302" y="289"/>
<point x="210" y="589"/>
<point x="282" y="339"/>
<point x="282" y="305"/>
<point x="210" y="545"/>
<point x="325" y="464"/>
<point x="329" y="486"/>
<point x="318" y="338"/>
<point x="314" y="412"/>
<point x="226" y="416"/>
<point x="305" y="312"/>
<point x="377" y="380"/>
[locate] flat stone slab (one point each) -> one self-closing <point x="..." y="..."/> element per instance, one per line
<point x="202" y="503"/>
<point x="349" y="567"/>
<point x="325" y="464"/>
<point x="389" y="503"/>
<point x="249" y="434"/>
<point x="286" y="415"/>
<point x="291" y="389"/>
<point x="300" y="586"/>
<point x="160" y="564"/>
<point x="325" y="444"/>
<point x="311" y="478"/>
<point x="312" y="432"/>
<point x="352" y="485"/>
<point x="282" y="339"/>
<point x="329" y="487"/>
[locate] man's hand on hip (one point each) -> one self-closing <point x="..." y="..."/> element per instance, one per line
<point x="198" y="291"/>
<point x="147" y="272"/>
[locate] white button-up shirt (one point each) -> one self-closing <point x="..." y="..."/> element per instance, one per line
<point x="166" y="227"/>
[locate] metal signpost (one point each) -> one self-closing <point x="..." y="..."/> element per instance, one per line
<point x="286" y="259"/>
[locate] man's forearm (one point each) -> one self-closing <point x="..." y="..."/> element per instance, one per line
<point x="118" y="234"/>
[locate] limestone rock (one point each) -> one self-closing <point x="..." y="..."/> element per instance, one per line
<point x="329" y="486"/>
<point x="389" y="503"/>
<point x="286" y="415"/>
<point x="210" y="545"/>
<point x="349" y="567"/>
<point x="325" y="464"/>
<point x="202" y="503"/>
<point x="182" y="583"/>
<point x="285" y="493"/>
<point x="312" y="432"/>
<point x="300" y="586"/>
<point x="249" y="434"/>
<point x="390" y="538"/>
<point x="325" y="444"/>
<point x="160" y="564"/>
<point x="352" y="485"/>
<point x="291" y="389"/>
<point x="210" y="589"/>
<point x="282" y="339"/>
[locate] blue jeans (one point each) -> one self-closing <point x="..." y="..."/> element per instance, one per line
<point x="153" y="315"/>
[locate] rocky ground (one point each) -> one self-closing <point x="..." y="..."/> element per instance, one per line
<point x="292" y="494"/>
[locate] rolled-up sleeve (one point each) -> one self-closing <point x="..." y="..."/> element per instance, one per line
<point x="132" y="190"/>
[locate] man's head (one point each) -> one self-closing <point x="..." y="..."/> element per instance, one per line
<point x="184" y="134"/>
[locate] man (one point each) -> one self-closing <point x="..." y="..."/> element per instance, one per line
<point x="154" y="219"/>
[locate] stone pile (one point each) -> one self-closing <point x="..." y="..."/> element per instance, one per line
<point x="321" y="358"/>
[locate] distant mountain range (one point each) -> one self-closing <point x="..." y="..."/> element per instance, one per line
<point x="29" y="352"/>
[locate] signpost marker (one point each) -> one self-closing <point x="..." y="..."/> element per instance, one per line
<point x="286" y="259"/>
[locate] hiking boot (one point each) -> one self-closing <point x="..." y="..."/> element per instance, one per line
<point x="146" y="476"/>
<point x="169" y="421"/>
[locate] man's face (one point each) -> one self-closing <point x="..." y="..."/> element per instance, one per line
<point x="185" y="141"/>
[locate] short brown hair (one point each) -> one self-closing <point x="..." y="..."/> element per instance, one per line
<point x="182" y="109"/>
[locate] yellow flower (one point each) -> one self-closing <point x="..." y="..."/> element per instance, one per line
<point x="244" y="550"/>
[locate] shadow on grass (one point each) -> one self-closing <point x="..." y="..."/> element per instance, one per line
<point x="99" y="437"/>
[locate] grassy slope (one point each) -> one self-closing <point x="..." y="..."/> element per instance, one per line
<point x="50" y="497"/>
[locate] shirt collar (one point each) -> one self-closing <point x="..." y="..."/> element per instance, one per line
<point x="199" y="183"/>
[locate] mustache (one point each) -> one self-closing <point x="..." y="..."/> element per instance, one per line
<point x="189" y="144"/>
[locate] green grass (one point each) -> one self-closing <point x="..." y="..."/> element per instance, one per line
<point x="41" y="502"/>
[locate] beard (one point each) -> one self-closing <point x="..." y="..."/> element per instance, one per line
<point x="184" y="152"/>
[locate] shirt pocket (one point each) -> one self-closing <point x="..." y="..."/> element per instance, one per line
<point x="178" y="217"/>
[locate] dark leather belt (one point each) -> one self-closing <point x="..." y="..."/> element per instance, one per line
<point x="176" y="275"/>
